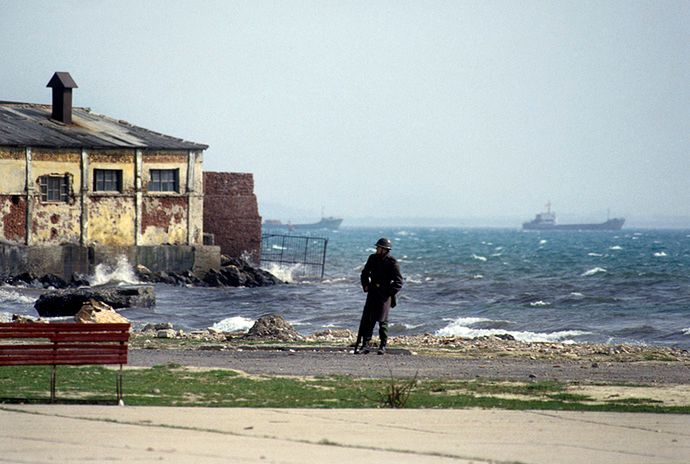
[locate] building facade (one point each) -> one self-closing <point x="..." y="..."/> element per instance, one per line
<point x="81" y="188"/>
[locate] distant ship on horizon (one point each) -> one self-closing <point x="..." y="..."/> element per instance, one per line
<point x="330" y="223"/>
<point x="547" y="221"/>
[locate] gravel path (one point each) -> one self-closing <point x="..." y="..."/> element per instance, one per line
<point x="401" y="364"/>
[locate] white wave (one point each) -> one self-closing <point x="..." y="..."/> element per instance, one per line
<point x="616" y="247"/>
<point x="479" y="258"/>
<point x="459" y="330"/>
<point x="283" y="272"/>
<point x="576" y="295"/>
<point x="277" y="247"/>
<point x="404" y="233"/>
<point x="593" y="271"/>
<point x="660" y="254"/>
<point x="234" y="324"/>
<point x="412" y="280"/>
<point x="595" y="254"/>
<point x="686" y="331"/>
<point x="335" y="280"/>
<point x="477" y="277"/>
<point x="5" y="317"/>
<point x="540" y="303"/>
<point x="543" y="242"/>
<point x="7" y="296"/>
<point x="122" y="273"/>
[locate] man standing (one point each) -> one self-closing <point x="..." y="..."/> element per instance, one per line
<point x="381" y="281"/>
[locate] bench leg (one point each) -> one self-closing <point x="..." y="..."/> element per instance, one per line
<point x="53" y="376"/>
<point x="118" y="386"/>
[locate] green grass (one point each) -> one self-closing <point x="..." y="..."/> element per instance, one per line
<point x="172" y="385"/>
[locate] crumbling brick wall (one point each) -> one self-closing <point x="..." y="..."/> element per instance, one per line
<point x="231" y="213"/>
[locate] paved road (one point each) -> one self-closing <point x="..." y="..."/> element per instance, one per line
<point x="403" y="365"/>
<point x="61" y="433"/>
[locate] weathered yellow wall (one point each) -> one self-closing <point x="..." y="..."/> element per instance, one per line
<point x="57" y="162"/>
<point x="111" y="217"/>
<point x="111" y="220"/>
<point x="55" y="223"/>
<point x="12" y="175"/>
<point x="164" y="220"/>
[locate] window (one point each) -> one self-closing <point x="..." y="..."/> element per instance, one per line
<point x="107" y="180"/>
<point x="164" y="180"/>
<point x="54" y="188"/>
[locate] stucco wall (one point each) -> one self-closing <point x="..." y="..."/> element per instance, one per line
<point x="126" y="218"/>
<point x="231" y="213"/>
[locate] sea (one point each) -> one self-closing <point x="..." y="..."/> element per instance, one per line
<point x="627" y="286"/>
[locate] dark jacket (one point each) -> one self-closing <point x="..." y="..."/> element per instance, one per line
<point x="382" y="279"/>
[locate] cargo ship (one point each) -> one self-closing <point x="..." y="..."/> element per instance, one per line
<point x="547" y="221"/>
<point x="330" y="223"/>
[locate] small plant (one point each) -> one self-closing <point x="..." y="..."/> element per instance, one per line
<point x="397" y="392"/>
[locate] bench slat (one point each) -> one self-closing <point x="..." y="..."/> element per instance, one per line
<point x="62" y="326"/>
<point x="66" y="361"/>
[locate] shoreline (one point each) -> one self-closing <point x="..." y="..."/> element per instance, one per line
<point x="163" y="336"/>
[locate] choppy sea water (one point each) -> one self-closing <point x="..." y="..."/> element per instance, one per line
<point x="628" y="286"/>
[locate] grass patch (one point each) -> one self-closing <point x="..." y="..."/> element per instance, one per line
<point x="174" y="385"/>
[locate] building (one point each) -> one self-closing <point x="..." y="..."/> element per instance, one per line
<point x="78" y="188"/>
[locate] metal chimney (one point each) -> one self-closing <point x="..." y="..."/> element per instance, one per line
<point x="62" y="84"/>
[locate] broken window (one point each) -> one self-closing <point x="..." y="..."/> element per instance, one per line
<point x="164" y="180"/>
<point x="107" y="180"/>
<point x="54" y="188"/>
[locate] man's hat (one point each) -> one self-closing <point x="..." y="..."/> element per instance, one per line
<point x="384" y="243"/>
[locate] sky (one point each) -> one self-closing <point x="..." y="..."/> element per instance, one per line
<point x="391" y="112"/>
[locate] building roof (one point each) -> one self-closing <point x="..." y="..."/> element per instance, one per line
<point x="30" y="125"/>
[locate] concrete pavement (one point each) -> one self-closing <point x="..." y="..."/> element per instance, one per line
<point x="69" y="433"/>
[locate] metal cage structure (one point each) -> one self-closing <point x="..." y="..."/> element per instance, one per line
<point x="309" y="253"/>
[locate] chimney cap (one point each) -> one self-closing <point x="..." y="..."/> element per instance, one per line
<point x="62" y="80"/>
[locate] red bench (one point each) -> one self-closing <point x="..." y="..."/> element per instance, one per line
<point x="65" y="343"/>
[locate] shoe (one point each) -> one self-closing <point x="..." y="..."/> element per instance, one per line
<point x="382" y="350"/>
<point x="364" y="350"/>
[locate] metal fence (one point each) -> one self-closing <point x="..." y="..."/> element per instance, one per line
<point x="307" y="253"/>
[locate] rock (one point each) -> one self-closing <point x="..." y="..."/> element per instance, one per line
<point x="94" y="311"/>
<point x="19" y="319"/>
<point x="166" y="333"/>
<point x="274" y="327"/>
<point x="157" y="327"/>
<point x="51" y="280"/>
<point x="69" y="301"/>
<point x="144" y="274"/>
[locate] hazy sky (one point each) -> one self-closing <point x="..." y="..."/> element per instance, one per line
<point x="390" y="109"/>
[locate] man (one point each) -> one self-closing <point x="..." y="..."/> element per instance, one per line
<point x="381" y="281"/>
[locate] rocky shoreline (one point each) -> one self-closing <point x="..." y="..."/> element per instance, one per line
<point x="234" y="272"/>
<point x="165" y="336"/>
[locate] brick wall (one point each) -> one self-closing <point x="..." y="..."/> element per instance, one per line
<point x="231" y="213"/>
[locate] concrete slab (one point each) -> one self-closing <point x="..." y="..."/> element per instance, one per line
<point x="67" y="433"/>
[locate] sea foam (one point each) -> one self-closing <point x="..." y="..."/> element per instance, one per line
<point x="234" y="324"/>
<point x="459" y="328"/>
<point x="9" y="296"/>
<point x="593" y="271"/>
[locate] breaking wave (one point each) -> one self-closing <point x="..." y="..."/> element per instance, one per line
<point x="9" y="296"/>
<point x="121" y="273"/>
<point x="459" y="328"/>
<point x="283" y="272"/>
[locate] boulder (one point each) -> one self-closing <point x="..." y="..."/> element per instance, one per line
<point x="273" y="327"/>
<point x="94" y="311"/>
<point x="68" y="302"/>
